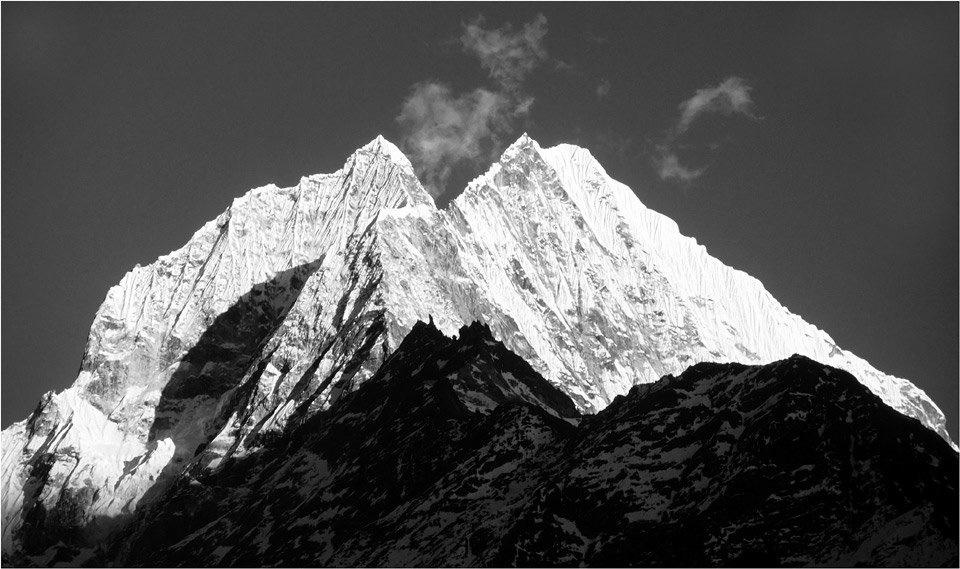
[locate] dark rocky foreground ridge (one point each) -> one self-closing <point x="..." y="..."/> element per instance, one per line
<point x="457" y="453"/>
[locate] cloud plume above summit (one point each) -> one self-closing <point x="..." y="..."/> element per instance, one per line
<point x="443" y="130"/>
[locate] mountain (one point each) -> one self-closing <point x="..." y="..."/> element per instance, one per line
<point x="293" y="298"/>
<point x="457" y="453"/>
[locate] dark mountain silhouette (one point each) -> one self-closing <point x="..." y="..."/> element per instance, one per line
<point x="457" y="453"/>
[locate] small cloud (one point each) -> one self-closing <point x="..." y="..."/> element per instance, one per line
<point x="730" y="97"/>
<point x="442" y="130"/>
<point x="669" y="167"/>
<point x="523" y="107"/>
<point x="603" y="89"/>
<point x="508" y="55"/>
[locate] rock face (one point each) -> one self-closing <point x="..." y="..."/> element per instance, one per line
<point x="294" y="297"/>
<point x="457" y="453"/>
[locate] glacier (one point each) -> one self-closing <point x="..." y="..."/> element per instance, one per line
<point x="294" y="296"/>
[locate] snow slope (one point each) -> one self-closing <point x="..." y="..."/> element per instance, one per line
<point x="596" y="290"/>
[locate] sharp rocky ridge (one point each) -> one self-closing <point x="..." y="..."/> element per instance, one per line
<point x="294" y="297"/>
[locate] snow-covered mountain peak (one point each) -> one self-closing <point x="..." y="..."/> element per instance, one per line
<point x="566" y="247"/>
<point x="381" y="145"/>
<point x="522" y="144"/>
<point x="293" y="297"/>
<point x="381" y="154"/>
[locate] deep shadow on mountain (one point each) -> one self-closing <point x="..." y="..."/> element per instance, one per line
<point x="228" y="348"/>
<point x="457" y="453"/>
<point x="220" y="364"/>
<point x="226" y="362"/>
<point x="414" y="414"/>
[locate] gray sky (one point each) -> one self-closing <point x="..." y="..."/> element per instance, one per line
<point x="812" y="146"/>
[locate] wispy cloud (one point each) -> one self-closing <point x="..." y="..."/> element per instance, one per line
<point x="730" y="97"/>
<point x="669" y="168"/>
<point x="603" y="89"/>
<point x="508" y="55"/>
<point x="442" y="130"/>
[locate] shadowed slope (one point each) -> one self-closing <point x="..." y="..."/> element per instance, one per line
<point x="441" y="459"/>
<point x="212" y="379"/>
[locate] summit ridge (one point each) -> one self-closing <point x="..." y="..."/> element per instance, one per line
<point x="381" y="145"/>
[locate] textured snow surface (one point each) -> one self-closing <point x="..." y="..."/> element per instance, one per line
<point x="293" y="296"/>
<point x="213" y="337"/>
<point x="596" y="290"/>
